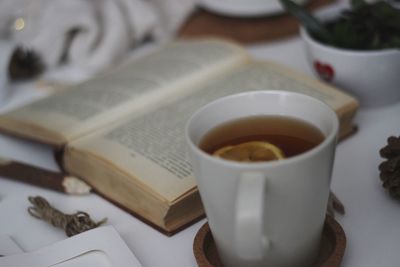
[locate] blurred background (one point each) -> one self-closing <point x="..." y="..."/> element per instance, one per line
<point x="57" y="42"/>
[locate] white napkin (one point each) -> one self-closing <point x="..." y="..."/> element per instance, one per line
<point x="90" y="34"/>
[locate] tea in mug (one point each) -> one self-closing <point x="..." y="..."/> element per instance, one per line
<point x="261" y="138"/>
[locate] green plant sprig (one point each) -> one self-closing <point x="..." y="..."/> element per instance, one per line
<point x="363" y="27"/>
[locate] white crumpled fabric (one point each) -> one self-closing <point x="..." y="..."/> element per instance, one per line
<point x="89" y="34"/>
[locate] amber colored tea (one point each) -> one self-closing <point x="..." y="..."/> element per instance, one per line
<point x="261" y="138"/>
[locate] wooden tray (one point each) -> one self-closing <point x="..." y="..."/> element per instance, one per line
<point x="331" y="252"/>
<point x="203" y="23"/>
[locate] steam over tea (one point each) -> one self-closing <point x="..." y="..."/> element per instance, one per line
<point x="261" y="138"/>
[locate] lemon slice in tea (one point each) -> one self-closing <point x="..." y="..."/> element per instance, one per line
<point x="253" y="151"/>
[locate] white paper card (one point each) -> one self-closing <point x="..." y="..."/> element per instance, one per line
<point x="100" y="247"/>
<point x="8" y="246"/>
<point x="93" y="258"/>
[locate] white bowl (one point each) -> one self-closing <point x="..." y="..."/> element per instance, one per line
<point x="245" y="8"/>
<point x="373" y="77"/>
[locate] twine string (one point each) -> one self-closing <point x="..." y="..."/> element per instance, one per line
<point x="72" y="224"/>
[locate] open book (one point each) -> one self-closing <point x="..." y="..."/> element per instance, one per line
<point x="123" y="132"/>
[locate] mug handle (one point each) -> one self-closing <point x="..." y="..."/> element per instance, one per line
<point x="251" y="241"/>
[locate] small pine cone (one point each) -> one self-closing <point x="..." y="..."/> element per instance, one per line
<point x="390" y="168"/>
<point x="24" y="64"/>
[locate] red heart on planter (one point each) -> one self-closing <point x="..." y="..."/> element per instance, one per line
<point x="324" y="70"/>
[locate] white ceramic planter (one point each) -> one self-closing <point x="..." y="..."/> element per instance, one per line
<point x="373" y="77"/>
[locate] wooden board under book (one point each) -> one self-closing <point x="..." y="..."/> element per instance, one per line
<point x="244" y="30"/>
<point x="123" y="132"/>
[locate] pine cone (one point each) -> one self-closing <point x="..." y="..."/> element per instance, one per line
<point x="390" y="169"/>
<point x="24" y="64"/>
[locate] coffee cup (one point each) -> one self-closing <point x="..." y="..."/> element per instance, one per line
<point x="265" y="213"/>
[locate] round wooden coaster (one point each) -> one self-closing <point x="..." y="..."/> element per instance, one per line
<point x="331" y="252"/>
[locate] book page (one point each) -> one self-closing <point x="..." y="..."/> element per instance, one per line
<point x="152" y="147"/>
<point x="158" y="77"/>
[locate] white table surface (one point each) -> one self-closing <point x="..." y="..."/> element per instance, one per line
<point x="371" y="222"/>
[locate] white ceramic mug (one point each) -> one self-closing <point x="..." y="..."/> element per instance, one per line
<point x="265" y="213"/>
